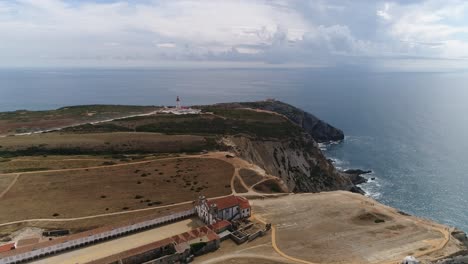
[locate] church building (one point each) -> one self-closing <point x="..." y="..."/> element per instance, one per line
<point x="226" y="208"/>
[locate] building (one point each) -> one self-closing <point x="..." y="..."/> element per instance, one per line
<point x="176" y="249"/>
<point x="226" y="208"/>
<point x="179" y="109"/>
<point x="86" y="238"/>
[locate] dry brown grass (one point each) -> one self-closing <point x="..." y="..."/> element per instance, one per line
<point x="269" y="186"/>
<point x="87" y="224"/>
<point x="250" y="177"/>
<point x="238" y="186"/>
<point x="24" y="121"/>
<point x="5" y="181"/>
<point x="114" y="189"/>
<point x="53" y="162"/>
<point x="118" y="142"/>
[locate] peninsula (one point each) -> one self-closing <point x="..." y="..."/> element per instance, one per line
<point x="141" y="178"/>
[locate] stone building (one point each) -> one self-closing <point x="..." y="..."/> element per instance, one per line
<point x="226" y="208"/>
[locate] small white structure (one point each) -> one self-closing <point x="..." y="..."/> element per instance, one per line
<point x="179" y="110"/>
<point x="225" y="208"/>
<point x="410" y="260"/>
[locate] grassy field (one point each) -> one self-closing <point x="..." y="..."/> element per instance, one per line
<point x="22" y="121"/>
<point x="226" y="122"/>
<point x="238" y="186"/>
<point x="88" y="224"/>
<point x="250" y="177"/>
<point x="76" y="193"/>
<point x="100" y="143"/>
<point x="35" y="163"/>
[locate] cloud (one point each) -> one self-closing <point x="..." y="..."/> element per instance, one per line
<point x="260" y="32"/>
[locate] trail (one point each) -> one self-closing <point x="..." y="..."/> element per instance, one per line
<point x="11" y="185"/>
<point x="275" y="246"/>
<point x="108" y="166"/>
<point x="97" y="216"/>
<point x="79" y="124"/>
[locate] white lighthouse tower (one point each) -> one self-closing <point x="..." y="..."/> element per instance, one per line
<point x="178" y="103"/>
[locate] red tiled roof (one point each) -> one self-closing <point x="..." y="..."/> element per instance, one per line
<point x="203" y="231"/>
<point x="219" y="225"/>
<point x="7" y="247"/>
<point x="230" y="201"/>
<point x="243" y="202"/>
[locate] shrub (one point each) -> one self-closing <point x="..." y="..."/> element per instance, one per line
<point x="138" y="196"/>
<point x="55" y="214"/>
<point x="379" y="221"/>
<point x="103" y="196"/>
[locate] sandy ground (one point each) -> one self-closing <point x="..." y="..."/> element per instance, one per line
<point x="258" y="251"/>
<point x="340" y="227"/>
<point x="121" y="244"/>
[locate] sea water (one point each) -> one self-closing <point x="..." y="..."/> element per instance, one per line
<point x="410" y="129"/>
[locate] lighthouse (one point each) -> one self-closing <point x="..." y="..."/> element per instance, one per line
<point x="178" y="103"/>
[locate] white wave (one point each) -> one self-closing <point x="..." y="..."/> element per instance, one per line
<point x="372" y="187"/>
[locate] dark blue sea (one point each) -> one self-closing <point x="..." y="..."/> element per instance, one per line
<point x="410" y="129"/>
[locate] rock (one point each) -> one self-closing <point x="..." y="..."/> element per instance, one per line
<point x="454" y="260"/>
<point x="300" y="164"/>
<point x="355" y="175"/>
<point x="356" y="189"/>
<point x="357" y="171"/>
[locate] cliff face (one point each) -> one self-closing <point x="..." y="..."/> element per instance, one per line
<point x="318" y="129"/>
<point x="294" y="157"/>
<point x="300" y="164"/>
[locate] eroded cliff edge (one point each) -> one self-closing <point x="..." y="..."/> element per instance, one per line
<point x="297" y="160"/>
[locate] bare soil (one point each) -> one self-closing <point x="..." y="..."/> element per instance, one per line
<point x="340" y="227"/>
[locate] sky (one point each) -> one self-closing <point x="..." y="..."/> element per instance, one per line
<point x="427" y="35"/>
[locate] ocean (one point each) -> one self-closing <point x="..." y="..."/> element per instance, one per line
<point x="410" y="129"/>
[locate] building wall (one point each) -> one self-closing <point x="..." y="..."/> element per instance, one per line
<point x="94" y="238"/>
<point x="245" y="213"/>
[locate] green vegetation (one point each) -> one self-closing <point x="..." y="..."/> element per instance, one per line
<point x="97" y="128"/>
<point x="74" y="111"/>
<point x="220" y="126"/>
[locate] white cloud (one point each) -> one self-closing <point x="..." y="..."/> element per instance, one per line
<point x="166" y="45"/>
<point x="55" y="32"/>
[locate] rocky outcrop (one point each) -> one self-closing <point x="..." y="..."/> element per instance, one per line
<point x="299" y="163"/>
<point x="355" y="175"/>
<point x="319" y="130"/>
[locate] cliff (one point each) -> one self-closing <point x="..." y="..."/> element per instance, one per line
<point x="294" y="155"/>
<point x="319" y="130"/>
<point x="299" y="163"/>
